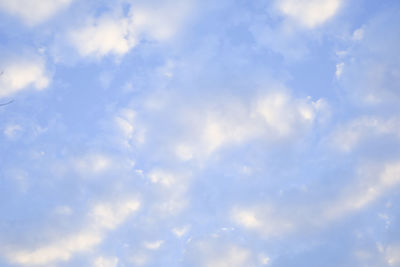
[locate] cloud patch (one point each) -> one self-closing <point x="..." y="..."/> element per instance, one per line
<point x="102" y="218"/>
<point x="33" y="12"/>
<point x="309" y="13"/>
<point x="22" y="73"/>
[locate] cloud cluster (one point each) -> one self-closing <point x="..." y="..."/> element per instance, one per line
<point x="273" y="116"/>
<point x="102" y="218"/>
<point x="118" y="33"/>
<point x="21" y="73"/>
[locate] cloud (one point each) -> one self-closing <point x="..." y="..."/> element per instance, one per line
<point x="263" y="219"/>
<point x="271" y="221"/>
<point x="153" y="245"/>
<point x="171" y="191"/>
<point x="273" y="116"/>
<point x="373" y="183"/>
<point x="93" y="163"/>
<point x="12" y="130"/>
<point x="33" y="12"/>
<point x="214" y="253"/>
<point x="23" y="73"/>
<point x="354" y="133"/>
<point x="309" y="13"/>
<point x="102" y="36"/>
<point x="180" y="231"/>
<point x="370" y="68"/>
<point x="130" y="131"/>
<point x="117" y="34"/>
<point x="102" y="218"/>
<point x="392" y="255"/>
<point x="106" y="262"/>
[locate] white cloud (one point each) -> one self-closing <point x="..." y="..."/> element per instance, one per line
<point x="348" y="136"/>
<point x="160" y="23"/>
<point x="210" y="253"/>
<point x="274" y="116"/>
<point x="22" y="73"/>
<point x="117" y="34"/>
<point x="64" y="210"/>
<point x="392" y="255"/>
<point x="309" y="13"/>
<point x="32" y="11"/>
<point x="106" y="262"/>
<point x="102" y="36"/>
<point x="263" y="259"/>
<point x="102" y="218"/>
<point x="139" y="259"/>
<point x="339" y="69"/>
<point x="130" y="130"/>
<point x="93" y="163"/>
<point x="180" y="231"/>
<point x="269" y="221"/>
<point x="358" y="34"/>
<point x="153" y="245"/>
<point x="12" y="130"/>
<point x="171" y="188"/>
<point x="262" y="219"/>
<point x="374" y="181"/>
<point x="372" y="69"/>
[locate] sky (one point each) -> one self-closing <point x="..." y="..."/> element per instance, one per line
<point x="227" y="133"/>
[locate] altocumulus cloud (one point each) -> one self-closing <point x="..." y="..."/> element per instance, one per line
<point x="199" y="133"/>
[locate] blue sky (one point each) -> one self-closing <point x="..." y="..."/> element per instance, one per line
<point x="200" y="133"/>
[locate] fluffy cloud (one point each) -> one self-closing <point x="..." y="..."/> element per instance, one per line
<point x="107" y="35"/>
<point x="102" y="218"/>
<point x="309" y="13"/>
<point x="117" y="34"/>
<point x="33" y="12"/>
<point x="274" y="116"/>
<point x="22" y="73"/>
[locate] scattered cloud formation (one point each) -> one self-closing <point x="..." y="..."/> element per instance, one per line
<point x="199" y="133"/>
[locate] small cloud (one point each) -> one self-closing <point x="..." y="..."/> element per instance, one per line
<point x="263" y="259"/>
<point x="64" y="210"/>
<point x="339" y="69"/>
<point x="33" y="12"/>
<point x="358" y="34"/>
<point x="309" y="13"/>
<point x="22" y="73"/>
<point x="153" y="245"/>
<point x="92" y="164"/>
<point x="102" y="36"/>
<point x="180" y="231"/>
<point x="106" y="262"/>
<point x="12" y="130"/>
